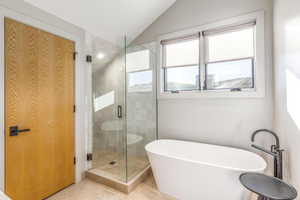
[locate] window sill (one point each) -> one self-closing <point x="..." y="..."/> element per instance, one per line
<point x="211" y="94"/>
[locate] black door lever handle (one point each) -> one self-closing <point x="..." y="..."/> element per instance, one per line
<point x="14" y="130"/>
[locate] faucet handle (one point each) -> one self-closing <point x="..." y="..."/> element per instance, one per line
<point x="275" y="148"/>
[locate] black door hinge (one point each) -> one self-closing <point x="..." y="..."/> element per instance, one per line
<point x="89" y="58"/>
<point x="74" y="55"/>
<point x="74" y="160"/>
<point x="89" y="157"/>
<point x="74" y="108"/>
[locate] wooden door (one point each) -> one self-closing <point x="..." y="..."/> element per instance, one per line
<point x="39" y="95"/>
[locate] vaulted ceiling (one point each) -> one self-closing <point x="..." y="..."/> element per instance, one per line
<point x="107" y="19"/>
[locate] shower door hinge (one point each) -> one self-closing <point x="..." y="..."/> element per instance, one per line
<point x="74" y="55"/>
<point x="89" y="157"/>
<point x="74" y="160"/>
<point x="89" y="59"/>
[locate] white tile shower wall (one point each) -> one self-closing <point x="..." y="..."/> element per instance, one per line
<point x="141" y="119"/>
<point x="219" y="121"/>
<point x="287" y="83"/>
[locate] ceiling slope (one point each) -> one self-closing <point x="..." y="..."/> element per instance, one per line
<point x="108" y="19"/>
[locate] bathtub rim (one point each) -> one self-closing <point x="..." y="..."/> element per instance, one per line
<point x="262" y="169"/>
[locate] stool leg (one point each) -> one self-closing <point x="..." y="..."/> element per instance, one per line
<point x="262" y="198"/>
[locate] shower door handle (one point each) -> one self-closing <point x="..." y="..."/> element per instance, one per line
<point x="120" y="111"/>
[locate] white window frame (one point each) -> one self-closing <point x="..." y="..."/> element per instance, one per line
<point x="259" y="68"/>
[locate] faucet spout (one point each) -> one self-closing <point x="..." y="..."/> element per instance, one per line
<point x="267" y="131"/>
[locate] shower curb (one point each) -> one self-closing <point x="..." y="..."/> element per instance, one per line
<point x="117" y="184"/>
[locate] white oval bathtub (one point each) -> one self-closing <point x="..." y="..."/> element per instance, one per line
<point x="195" y="171"/>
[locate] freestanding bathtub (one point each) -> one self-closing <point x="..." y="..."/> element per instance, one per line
<point x="196" y="171"/>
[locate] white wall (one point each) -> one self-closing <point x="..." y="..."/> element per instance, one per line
<point x="287" y="83"/>
<point x="220" y="121"/>
<point x="28" y="14"/>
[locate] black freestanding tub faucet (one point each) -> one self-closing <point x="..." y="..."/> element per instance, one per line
<point x="275" y="151"/>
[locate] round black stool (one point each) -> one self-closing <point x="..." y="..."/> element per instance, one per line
<point x="267" y="187"/>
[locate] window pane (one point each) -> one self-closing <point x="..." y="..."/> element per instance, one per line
<point x="182" y="78"/>
<point x="139" y="60"/>
<point x="228" y="75"/>
<point x="182" y="53"/>
<point x="231" y="45"/>
<point x="140" y="81"/>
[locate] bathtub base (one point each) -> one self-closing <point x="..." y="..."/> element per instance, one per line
<point x="187" y="182"/>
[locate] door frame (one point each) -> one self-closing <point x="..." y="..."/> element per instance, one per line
<point x="80" y="94"/>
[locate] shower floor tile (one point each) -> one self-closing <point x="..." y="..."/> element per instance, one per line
<point x="103" y="166"/>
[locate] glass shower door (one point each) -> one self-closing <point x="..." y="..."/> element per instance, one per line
<point x="109" y="128"/>
<point x="124" y="112"/>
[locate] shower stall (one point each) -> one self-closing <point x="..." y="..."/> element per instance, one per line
<point x="124" y="111"/>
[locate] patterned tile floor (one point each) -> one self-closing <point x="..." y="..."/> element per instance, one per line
<point x="89" y="190"/>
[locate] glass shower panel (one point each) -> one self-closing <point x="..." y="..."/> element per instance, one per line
<point x="140" y="106"/>
<point x="124" y="111"/>
<point x="109" y="128"/>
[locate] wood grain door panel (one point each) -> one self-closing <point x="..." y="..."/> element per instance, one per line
<point x="39" y="95"/>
